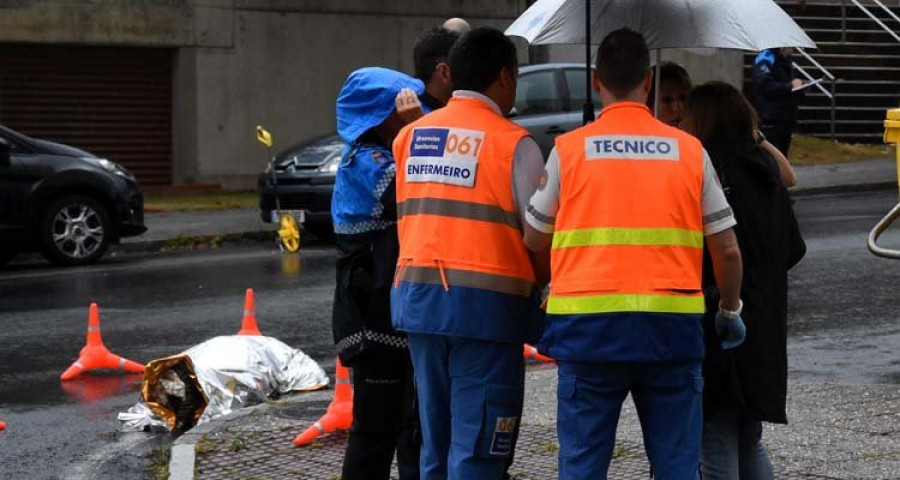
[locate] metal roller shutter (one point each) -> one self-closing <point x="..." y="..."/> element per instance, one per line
<point x="114" y="102"/>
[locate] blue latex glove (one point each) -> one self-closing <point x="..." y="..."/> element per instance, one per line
<point x="730" y="326"/>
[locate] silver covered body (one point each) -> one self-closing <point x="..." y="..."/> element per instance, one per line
<point x="235" y="372"/>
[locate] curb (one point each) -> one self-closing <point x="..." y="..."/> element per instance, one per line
<point x="258" y="236"/>
<point x="181" y="463"/>
<point x="183" y="457"/>
<point x="861" y="187"/>
<point x="254" y="236"/>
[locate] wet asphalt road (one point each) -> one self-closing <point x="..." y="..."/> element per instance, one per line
<point x="151" y="306"/>
<point x="844" y="317"/>
<point x="844" y="326"/>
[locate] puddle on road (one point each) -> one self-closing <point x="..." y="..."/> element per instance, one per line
<point x="95" y="388"/>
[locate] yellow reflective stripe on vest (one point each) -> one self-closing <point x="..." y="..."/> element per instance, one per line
<point x="587" y="237"/>
<point x="626" y="302"/>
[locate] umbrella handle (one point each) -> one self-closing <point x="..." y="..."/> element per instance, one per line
<point x="588" y="112"/>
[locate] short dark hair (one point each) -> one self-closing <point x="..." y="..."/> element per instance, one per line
<point x="718" y="110"/>
<point x="670" y="73"/>
<point x="432" y="48"/>
<point x="478" y="57"/>
<point x="622" y="61"/>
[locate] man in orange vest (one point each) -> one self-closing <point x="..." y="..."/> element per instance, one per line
<point x="464" y="290"/>
<point x="624" y="208"/>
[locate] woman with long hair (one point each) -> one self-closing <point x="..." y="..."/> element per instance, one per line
<point x="746" y="385"/>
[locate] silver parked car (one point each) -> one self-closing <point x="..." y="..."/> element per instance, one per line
<point x="550" y="99"/>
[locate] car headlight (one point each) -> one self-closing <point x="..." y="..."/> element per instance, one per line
<point x="331" y="166"/>
<point x="111" y="167"/>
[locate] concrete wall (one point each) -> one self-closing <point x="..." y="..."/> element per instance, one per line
<point x="239" y="63"/>
<point x="278" y="63"/>
<point x="285" y="72"/>
<point x="158" y="23"/>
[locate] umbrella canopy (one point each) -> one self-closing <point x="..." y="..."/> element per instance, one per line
<point x="734" y="24"/>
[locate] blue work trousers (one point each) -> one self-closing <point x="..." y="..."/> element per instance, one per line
<point x="470" y="403"/>
<point x="668" y="399"/>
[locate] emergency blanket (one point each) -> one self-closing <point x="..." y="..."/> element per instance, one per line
<point x="217" y="377"/>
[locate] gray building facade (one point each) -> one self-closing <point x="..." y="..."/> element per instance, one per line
<point x="174" y="88"/>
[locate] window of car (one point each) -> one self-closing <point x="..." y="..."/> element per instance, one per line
<point x="536" y="93"/>
<point x="575" y="82"/>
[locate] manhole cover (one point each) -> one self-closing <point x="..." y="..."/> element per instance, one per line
<point x="303" y="410"/>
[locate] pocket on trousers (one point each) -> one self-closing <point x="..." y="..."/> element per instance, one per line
<point x="500" y="421"/>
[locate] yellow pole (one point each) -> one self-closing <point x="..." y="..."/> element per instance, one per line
<point x="892" y="134"/>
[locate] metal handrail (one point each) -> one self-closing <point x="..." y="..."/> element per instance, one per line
<point x="812" y="79"/>
<point x="872" y="16"/>
<point x="876" y="232"/>
<point x="831" y="80"/>
<point x="817" y="64"/>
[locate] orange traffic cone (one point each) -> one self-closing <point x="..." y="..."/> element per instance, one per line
<point x="531" y="352"/>
<point x="95" y="355"/>
<point x="248" y="325"/>
<point x="339" y="415"/>
<point x="2" y="426"/>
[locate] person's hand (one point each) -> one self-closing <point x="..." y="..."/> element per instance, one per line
<point x="408" y="107"/>
<point x="730" y="326"/>
<point x="797" y="83"/>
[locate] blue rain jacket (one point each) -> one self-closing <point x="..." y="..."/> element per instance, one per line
<point x="366" y="170"/>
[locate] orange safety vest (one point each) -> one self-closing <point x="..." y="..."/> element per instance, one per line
<point x="629" y="231"/>
<point x="457" y="220"/>
<point x="456" y="211"/>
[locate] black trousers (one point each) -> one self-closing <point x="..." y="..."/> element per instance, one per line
<point x="385" y="420"/>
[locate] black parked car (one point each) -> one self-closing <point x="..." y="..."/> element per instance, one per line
<point x="549" y="101"/>
<point x="67" y="203"/>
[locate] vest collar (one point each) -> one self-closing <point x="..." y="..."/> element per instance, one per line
<point x="623" y="106"/>
<point x="480" y="98"/>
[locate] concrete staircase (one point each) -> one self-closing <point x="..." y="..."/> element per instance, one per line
<point x="864" y="58"/>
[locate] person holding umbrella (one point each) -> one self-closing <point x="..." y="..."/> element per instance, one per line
<point x="624" y="208"/>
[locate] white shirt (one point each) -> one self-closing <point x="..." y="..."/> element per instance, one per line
<point x="528" y="163"/>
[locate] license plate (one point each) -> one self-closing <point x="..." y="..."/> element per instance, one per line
<point x="299" y="215"/>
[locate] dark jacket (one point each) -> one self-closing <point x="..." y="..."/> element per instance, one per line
<point x="771" y="90"/>
<point x="753" y="375"/>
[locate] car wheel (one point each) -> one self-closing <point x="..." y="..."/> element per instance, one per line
<point x="75" y="230"/>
